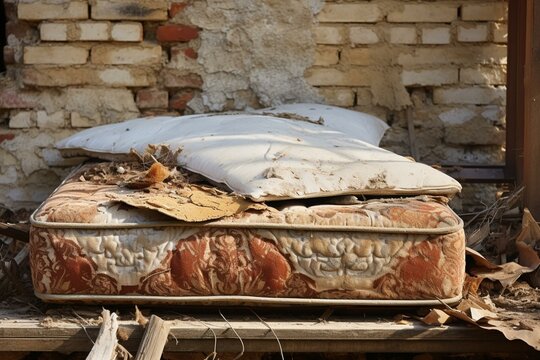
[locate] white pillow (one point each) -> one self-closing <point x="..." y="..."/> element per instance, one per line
<point x="360" y="125"/>
<point x="268" y="158"/>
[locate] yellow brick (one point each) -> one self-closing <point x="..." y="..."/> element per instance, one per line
<point x="325" y="56"/>
<point x="41" y="11"/>
<point x="334" y="77"/>
<point x="61" y="55"/>
<point x="126" y="55"/>
<point x="359" y="12"/>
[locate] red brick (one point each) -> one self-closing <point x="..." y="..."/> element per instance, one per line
<point x="172" y="33"/>
<point x="152" y="99"/>
<point x="18" y="29"/>
<point x="9" y="55"/>
<point x="190" y="53"/>
<point x="179" y="100"/>
<point x="183" y="53"/>
<point x="13" y="98"/>
<point x="176" y="8"/>
<point x="4" y="137"/>
<point x="10" y="9"/>
<point x="174" y="79"/>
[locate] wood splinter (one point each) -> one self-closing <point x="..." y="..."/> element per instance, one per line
<point x="105" y="346"/>
<point x="154" y="339"/>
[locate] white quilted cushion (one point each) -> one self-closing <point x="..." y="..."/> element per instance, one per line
<point x="362" y="126"/>
<point x="268" y="158"/>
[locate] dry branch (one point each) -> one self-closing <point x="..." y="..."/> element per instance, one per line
<point x="154" y="339"/>
<point x="105" y="346"/>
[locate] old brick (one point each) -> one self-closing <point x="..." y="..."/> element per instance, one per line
<point x="359" y="56"/>
<point x="78" y="121"/>
<point x="129" y="10"/>
<point x="55" y="54"/>
<point x="53" y="31"/>
<point x="50" y="11"/>
<point x="485" y="54"/>
<point x="93" y="31"/>
<point x="51" y="121"/>
<point x="126" y="54"/>
<point x="338" y="97"/>
<point x="180" y="100"/>
<point x="125" y="77"/>
<point x="176" y="8"/>
<point x="173" y="33"/>
<point x="331" y="35"/>
<point x="335" y="77"/>
<point x="21" y="120"/>
<point x="152" y="99"/>
<point x="363" y="35"/>
<point x="325" y="56"/>
<point x="429" y="77"/>
<point x="500" y="33"/>
<point x="485" y="11"/>
<point x="483" y="75"/>
<point x="474" y="132"/>
<point x="115" y="77"/>
<point x="426" y="12"/>
<point x="402" y="35"/>
<point x="127" y="31"/>
<point x="472" y="32"/>
<point x="457" y="116"/>
<point x="364" y="97"/>
<point x="190" y="53"/>
<point x="363" y="12"/>
<point x="94" y="106"/>
<point x="176" y="79"/>
<point x="436" y="36"/>
<point x="6" y="137"/>
<point x="9" y="55"/>
<point x="10" y="8"/>
<point x="18" y="29"/>
<point x="470" y="95"/>
<point x="14" y="98"/>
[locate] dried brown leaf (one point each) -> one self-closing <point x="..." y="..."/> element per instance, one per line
<point x="436" y="317"/>
<point x="140" y="318"/>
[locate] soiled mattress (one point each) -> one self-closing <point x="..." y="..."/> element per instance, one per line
<point x="407" y="251"/>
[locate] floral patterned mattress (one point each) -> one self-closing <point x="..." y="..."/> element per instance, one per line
<point x="87" y="248"/>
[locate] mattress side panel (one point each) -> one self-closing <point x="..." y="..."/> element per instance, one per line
<point x="191" y="261"/>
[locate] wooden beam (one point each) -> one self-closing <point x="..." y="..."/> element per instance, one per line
<point x="154" y="339"/>
<point x="531" y="131"/>
<point x="339" y="335"/>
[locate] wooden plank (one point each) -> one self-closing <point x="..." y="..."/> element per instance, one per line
<point x="338" y="335"/>
<point x="106" y="342"/>
<point x="531" y="143"/>
<point x="154" y="339"/>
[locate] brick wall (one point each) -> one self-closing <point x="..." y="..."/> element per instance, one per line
<point x="438" y="65"/>
<point x="434" y="70"/>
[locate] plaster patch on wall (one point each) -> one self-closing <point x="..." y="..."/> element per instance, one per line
<point x="254" y="51"/>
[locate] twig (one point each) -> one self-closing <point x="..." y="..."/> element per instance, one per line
<point x="238" y="336"/>
<point x="273" y="332"/>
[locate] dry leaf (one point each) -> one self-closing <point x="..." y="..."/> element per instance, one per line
<point x="191" y="204"/>
<point x="140" y="318"/>
<point x="480" y="261"/>
<point x="511" y="332"/>
<point x="507" y="275"/>
<point x="527" y="241"/>
<point x="436" y="317"/>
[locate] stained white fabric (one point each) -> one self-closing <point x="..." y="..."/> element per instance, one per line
<point x="266" y="158"/>
<point x="359" y="125"/>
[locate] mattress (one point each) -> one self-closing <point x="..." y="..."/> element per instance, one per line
<point x="87" y="247"/>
